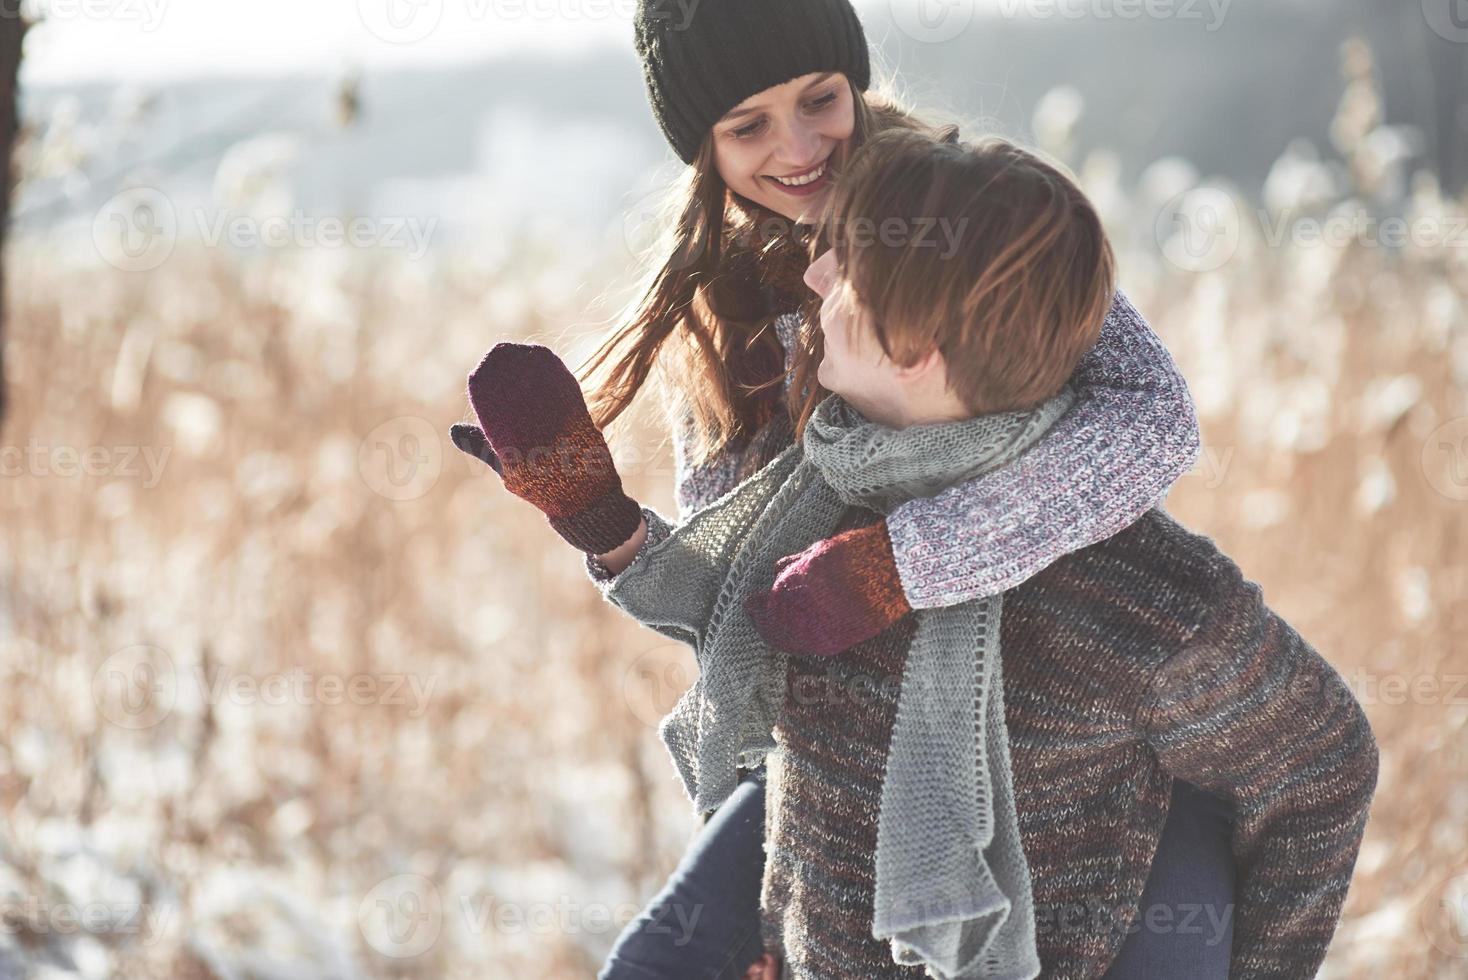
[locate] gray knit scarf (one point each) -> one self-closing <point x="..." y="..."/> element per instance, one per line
<point x="952" y="885"/>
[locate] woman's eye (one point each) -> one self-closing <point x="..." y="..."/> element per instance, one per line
<point x="749" y="130"/>
<point x="823" y="101"/>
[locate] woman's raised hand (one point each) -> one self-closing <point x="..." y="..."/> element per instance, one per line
<point x="535" y="431"/>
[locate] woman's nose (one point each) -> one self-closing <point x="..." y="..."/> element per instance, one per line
<point x="801" y="147"/>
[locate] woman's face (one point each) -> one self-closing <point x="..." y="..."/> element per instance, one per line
<point x="775" y="147"/>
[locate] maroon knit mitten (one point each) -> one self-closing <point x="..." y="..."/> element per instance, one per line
<point x="536" y="432"/>
<point x="833" y="595"/>
<point x="471" y="439"/>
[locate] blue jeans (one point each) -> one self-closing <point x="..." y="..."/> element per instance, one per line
<point x="1185" y="923"/>
<point x="704" y="924"/>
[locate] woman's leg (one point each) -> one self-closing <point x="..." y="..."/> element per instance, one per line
<point x="1185" y="925"/>
<point x="704" y="924"/>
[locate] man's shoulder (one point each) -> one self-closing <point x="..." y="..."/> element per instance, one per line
<point x="1155" y="581"/>
<point x="1158" y="540"/>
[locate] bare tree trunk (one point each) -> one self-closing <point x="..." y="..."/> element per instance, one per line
<point x="12" y="32"/>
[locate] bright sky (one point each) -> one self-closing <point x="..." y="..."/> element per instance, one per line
<point x="152" y="39"/>
<point x="143" y="40"/>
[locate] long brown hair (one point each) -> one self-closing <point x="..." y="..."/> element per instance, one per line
<point x="730" y="269"/>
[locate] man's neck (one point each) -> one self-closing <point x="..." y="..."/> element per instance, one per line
<point x="926" y="412"/>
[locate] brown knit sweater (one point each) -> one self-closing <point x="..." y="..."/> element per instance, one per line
<point x="1145" y="657"/>
<point x="1142" y="657"/>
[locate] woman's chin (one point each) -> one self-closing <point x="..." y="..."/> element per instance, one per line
<point x="800" y="211"/>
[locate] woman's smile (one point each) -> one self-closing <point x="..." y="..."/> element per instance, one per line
<point x="805" y="183"/>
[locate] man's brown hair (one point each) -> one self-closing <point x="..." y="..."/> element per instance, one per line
<point x="982" y="249"/>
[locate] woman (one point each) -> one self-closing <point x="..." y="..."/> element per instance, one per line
<point x="766" y="100"/>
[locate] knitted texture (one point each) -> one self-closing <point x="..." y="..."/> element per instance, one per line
<point x="952" y="889"/>
<point x="472" y="440"/>
<point x="1141" y="658"/>
<point x="699" y="60"/>
<point x="1132" y="433"/>
<point x="536" y="432"/>
<point x="1132" y="659"/>
<point x="832" y="595"/>
<point x="823" y="793"/>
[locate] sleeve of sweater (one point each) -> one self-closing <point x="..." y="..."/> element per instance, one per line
<point x="1132" y="432"/>
<point x="1249" y="711"/>
<point x="641" y="589"/>
<point x="686" y="485"/>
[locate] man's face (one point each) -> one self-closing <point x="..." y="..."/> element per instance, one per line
<point x="854" y="366"/>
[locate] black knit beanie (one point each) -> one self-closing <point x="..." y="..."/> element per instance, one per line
<point x="701" y="58"/>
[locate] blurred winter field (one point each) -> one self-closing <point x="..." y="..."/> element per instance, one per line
<point x="292" y="689"/>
